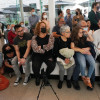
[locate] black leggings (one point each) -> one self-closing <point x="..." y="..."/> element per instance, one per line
<point x="37" y="62"/>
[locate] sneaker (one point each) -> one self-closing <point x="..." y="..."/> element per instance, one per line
<point x="69" y="84"/>
<point x="17" y="81"/>
<point x="26" y="80"/>
<point x="76" y="85"/>
<point x="60" y="84"/>
<point x="37" y="81"/>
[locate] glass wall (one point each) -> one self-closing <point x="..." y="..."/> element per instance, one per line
<point x="10" y="9"/>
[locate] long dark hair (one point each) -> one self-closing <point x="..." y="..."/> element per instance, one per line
<point x="74" y="36"/>
<point x="4" y="51"/>
<point x="42" y="16"/>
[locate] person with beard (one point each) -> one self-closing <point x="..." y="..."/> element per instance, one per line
<point x="77" y="17"/>
<point x="56" y="29"/>
<point x="94" y="16"/>
<point x="22" y="44"/>
<point x="42" y="46"/>
<point x="68" y="19"/>
<point x="11" y="35"/>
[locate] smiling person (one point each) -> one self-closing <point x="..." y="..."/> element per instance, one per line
<point x="83" y="54"/>
<point x="42" y="45"/>
<point x="22" y="44"/>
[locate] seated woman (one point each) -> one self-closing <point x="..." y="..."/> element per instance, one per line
<point x="79" y="44"/>
<point x="42" y="45"/>
<point x="9" y="52"/>
<point x="63" y="42"/>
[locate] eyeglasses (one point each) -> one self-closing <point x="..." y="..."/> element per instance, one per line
<point x="20" y="31"/>
<point x="68" y="32"/>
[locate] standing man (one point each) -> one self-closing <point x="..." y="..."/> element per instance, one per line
<point x="56" y="29"/>
<point x="94" y="16"/>
<point x="22" y="44"/>
<point x="33" y="19"/>
<point x="68" y="19"/>
<point x="60" y="14"/>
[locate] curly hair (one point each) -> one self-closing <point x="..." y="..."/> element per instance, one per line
<point x="74" y="36"/>
<point x="37" y="28"/>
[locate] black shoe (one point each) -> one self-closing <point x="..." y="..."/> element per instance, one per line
<point x="89" y="88"/>
<point x="46" y="82"/>
<point x="60" y="84"/>
<point x="69" y="84"/>
<point x="37" y="81"/>
<point x="76" y="85"/>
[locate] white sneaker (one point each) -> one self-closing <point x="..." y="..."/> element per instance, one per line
<point x="17" y="81"/>
<point x="26" y="80"/>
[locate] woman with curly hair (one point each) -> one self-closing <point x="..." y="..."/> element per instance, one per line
<point x="79" y="45"/>
<point x="42" y="45"/>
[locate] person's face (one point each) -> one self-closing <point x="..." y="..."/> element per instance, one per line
<point x="88" y="23"/>
<point x="61" y="22"/>
<point x="8" y="27"/>
<point x="44" y="14"/>
<point x="11" y="54"/>
<point x="42" y="25"/>
<point x="67" y="33"/>
<point x="97" y="6"/>
<point x="80" y="34"/>
<point x="33" y="12"/>
<point x="99" y="23"/>
<point x="68" y="11"/>
<point x="20" y="31"/>
<point x="83" y="24"/>
<point x="21" y="23"/>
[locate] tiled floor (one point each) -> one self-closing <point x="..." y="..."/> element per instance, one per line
<point x="30" y="92"/>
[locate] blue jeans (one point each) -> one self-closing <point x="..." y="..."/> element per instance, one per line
<point x="1" y="59"/>
<point x="80" y="61"/>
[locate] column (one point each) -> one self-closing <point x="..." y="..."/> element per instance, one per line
<point x="51" y="4"/>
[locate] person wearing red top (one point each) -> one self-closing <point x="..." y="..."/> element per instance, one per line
<point x="11" y="34"/>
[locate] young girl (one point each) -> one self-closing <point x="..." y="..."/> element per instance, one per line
<point x="79" y="45"/>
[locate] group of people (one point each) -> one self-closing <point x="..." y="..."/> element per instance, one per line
<point x="39" y="46"/>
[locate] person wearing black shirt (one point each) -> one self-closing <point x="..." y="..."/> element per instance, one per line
<point x="63" y="42"/>
<point x="56" y="29"/>
<point x="9" y="53"/>
<point x="22" y="44"/>
<point x="83" y="54"/>
<point x="42" y="45"/>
